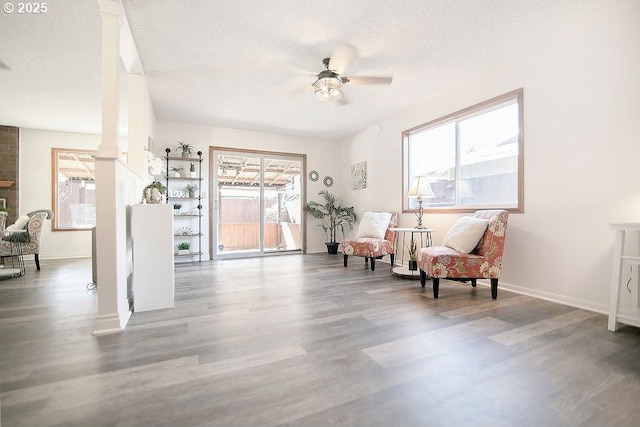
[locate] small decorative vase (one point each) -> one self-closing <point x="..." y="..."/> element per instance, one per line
<point x="176" y="212"/>
<point x="413" y="265"/>
<point x="183" y="251"/>
<point x="152" y="195"/>
<point x="185" y="154"/>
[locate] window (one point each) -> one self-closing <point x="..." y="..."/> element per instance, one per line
<point x="74" y="189"/>
<point x="472" y="159"/>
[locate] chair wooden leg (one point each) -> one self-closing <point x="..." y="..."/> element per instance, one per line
<point x="345" y="260"/>
<point x="494" y="288"/>
<point x="436" y="285"/>
<point x="37" y="262"/>
<point x="373" y="264"/>
<point x="392" y="258"/>
<point x="473" y="282"/>
<point x="366" y="260"/>
<point x="423" y="278"/>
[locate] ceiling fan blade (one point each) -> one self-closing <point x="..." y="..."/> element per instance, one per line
<point x="341" y="57"/>
<point x="367" y="80"/>
<point x="4" y="66"/>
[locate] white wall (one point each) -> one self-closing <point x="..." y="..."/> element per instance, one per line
<point x="581" y="142"/>
<point x="322" y="156"/>
<point x="36" y="187"/>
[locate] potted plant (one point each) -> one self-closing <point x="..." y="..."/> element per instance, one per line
<point x="192" y="171"/>
<point x="176" y="171"/>
<point x="331" y="218"/>
<point x="154" y="192"/>
<point x="191" y="189"/>
<point x="186" y="148"/>
<point x="413" y="255"/>
<point x="176" y="208"/>
<point x="183" y="248"/>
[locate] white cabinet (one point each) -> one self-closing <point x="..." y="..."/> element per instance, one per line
<point x="153" y="270"/>
<point x="620" y="258"/>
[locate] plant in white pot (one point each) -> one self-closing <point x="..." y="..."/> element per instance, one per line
<point x="183" y="248"/>
<point x="192" y="171"/>
<point x="331" y="218"/>
<point x="175" y="172"/>
<point x="176" y="208"/>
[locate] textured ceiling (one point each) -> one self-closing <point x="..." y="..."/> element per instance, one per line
<point x="247" y="64"/>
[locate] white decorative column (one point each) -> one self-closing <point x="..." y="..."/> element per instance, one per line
<point x="113" y="307"/>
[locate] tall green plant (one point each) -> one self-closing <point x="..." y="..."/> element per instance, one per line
<point x="331" y="217"/>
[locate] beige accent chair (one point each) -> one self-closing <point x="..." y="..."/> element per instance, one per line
<point x="32" y="240"/>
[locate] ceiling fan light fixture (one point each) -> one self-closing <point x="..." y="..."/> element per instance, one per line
<point x="328" y="89"/>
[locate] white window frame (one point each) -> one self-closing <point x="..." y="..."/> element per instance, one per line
<point x="409" y="203"/>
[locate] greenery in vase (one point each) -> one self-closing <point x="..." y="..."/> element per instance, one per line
<point x="155" y="184"/>
<point x="192" y="168"/>
<point x="413" y="250"/>
<point x="177" y="206"/>
<point x="184" y="246"/>
<point x="186" y="148"/>
<point x="191" y="189"/>
<point x="331" y="217"/>
<point x="176" y="169"/>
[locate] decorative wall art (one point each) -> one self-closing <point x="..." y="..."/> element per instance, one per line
<point x="359" y="176"/>
<point x="328" y="181"/>
<point x="314" y="176"/>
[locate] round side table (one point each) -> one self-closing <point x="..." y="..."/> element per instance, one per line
<point x="404" y="237"/>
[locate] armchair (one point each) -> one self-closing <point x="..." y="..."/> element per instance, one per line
<point x="31" y="246"/>
<point x="483" y="261"/>
<point x="373" y="240"/>
<point x="3" y="219"/>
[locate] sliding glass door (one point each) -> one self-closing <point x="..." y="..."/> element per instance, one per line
<point x="257" y="204"/>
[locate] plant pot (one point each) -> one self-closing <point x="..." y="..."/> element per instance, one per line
<point x="332" y="247"/>
<point x="176" y="211"/>
<point x="413" y="265"/>
<point x="185" y="154"/>
<point x="183" y="251"/>
<point x="192" y="195"/>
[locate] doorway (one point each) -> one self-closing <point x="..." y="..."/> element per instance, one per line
<point x="256" y="202"/>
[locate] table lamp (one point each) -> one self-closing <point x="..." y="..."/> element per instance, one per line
<point x="420" y="189"/>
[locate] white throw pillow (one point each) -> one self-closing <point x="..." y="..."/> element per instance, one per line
<point x="374" y="224"/>
<point x="20" y="224"/>
<point x="465" y="234"/>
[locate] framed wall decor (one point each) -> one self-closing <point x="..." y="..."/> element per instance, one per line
<point x="359" y="176"/>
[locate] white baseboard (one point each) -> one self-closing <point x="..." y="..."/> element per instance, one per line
<point x="549" y="296"/>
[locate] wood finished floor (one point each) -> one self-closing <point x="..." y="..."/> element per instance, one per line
<point x="299" y="340"/>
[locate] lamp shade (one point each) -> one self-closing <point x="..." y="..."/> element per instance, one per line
<point x="328" y="89"/>
<point x="420" y="188"/>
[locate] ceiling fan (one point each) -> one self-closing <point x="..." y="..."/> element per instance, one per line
<point x="328" y="86"/>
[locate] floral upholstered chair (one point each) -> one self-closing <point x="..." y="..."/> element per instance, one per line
<point x="472" y="249"/>
<point x="31" y="243"/>
<point x="374" y="238"/>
